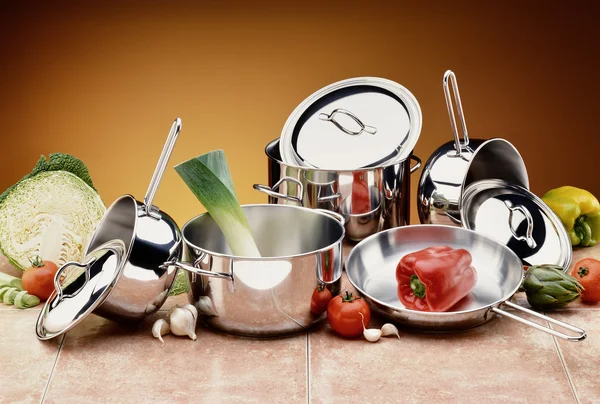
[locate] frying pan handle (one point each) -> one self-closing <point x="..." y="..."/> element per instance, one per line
<point x="579" y="336"/>
<point x="151" y="210"/>
<point x="273" y="190"/>
<point x="450" y="77"/>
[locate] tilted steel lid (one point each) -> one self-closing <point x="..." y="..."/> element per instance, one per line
<point x="355" y="123"/>
<point x="84" y="288"/>
<point x="517" y="218"/>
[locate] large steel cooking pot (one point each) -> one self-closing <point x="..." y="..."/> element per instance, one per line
<point x="369" y="199"/>
<point x="456" y="164"/>
<point x="269" y="296"/>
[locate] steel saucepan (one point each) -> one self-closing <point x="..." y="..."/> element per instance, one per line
<point x="369" y="199"/>
<point x="455" y="165"/>
<point x="123" y="277"/>
<point x="371" y="268"/>
<point x="269" y="296"/>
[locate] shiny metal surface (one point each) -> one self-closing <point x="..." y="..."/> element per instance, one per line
<point x="145" y="282"/>
<point x="371" y="268"/>
<point x="268" y="296"/>
<point x="352" y="124"/>
<point x="386" y="188"/>
<point x="456" y="164"/>
<point x="70" y="303"/>
<point x="150" y="238"/>
<point x="518" y="219"/>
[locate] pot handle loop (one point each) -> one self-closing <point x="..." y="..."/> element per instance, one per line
<point x="273" y="190"/>
<point x="58" y="274"/>
<point x="193" y="268"/>
<point x="417" y="165"/>
<point x="528" y="237"/>
<point x="579" y="336"/>
<point x="152" y="210"/>
<point x="449" y="76"/>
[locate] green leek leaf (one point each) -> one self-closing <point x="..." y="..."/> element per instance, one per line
<point x="208" y="178"/>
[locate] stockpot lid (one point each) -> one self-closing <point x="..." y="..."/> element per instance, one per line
<point x="84" y="288"/>
<point x="517" y="218"/>
<point x="355" y="123"/>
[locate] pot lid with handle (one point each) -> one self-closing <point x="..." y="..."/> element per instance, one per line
<point x="83" y="288"/>
<point x="355" y="123"/>
<point x="517" y="218"/>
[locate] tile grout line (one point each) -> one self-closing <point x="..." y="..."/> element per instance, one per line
<point x="564" y="364"/>
<point x="308" y="368"/>
<point x="62" y="341"/>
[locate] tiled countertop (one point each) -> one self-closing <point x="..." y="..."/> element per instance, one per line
<point x="100" y="362"/>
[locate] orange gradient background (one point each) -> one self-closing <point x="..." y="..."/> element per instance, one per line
<point x="104" y="81"/>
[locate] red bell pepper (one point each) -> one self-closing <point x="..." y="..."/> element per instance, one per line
<point x="435" y="278"/>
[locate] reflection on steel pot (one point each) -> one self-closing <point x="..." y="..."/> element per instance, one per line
<point x="268" y="296"/>
<point x="456" y="164"/>
<point x="370" y="199"/>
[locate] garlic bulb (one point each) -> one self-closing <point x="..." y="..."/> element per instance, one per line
<point x="183" y="321"/>
<point x="389" y="329"/>
<point x="205" y="306"/>
<point x="160" y="328"/>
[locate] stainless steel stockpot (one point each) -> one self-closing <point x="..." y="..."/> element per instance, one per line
<point x="369" y="199"/>
<point x="269" y="296"/>
<point x="456" y="164"/>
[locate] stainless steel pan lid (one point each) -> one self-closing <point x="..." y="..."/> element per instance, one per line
<point x="518" y="219"/>
<point x="88" y="285"/>
<point x="355" y="123"/>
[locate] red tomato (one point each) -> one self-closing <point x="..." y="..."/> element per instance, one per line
<point x="320" y="299"/>
<point x="344" y="315"/>
<point x="38" y="280"/>
<point x="587" y="272"/>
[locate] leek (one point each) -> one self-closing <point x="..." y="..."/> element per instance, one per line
<point x="208" y="177"/>
<point x="24" y="300"/>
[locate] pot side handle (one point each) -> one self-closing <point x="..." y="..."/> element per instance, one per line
<point x="417" y="165"/>
<point x="193" y="268"/>
<point x="272" y="191"/>
<point x="580" y="334"/>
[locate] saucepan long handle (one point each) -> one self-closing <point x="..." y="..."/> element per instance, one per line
<point x="151" y="210"/>
<point x="450" y="80"/>
<point x="578" y="336"/>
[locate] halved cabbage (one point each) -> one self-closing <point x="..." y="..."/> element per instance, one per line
<point x="52" y="214"/>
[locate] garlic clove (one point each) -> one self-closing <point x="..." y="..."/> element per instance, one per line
<point x="193" y="310"/>
<point x="389" y="329"/>
<point x="160" y="328"/>
<point x="370" y="334"/>
<point x="205" y="307"/>
<point x="183" y="322"/>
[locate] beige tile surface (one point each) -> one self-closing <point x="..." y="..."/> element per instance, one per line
<point x="501" y="361"/>
<point x="582" y="359"/>
<point x="25" y="362"/>
<point x="102" y="362"/>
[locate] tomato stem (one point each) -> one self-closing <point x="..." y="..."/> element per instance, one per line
<point x="417" y="286"/>
<point x="349" y="297"/>
<point x="583" y="271"/>
<point x="37" y="262"/>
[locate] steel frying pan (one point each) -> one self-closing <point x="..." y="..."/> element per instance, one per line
<point x="371" y="267"/>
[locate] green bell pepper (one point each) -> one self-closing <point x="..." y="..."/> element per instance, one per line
<point x="579" y="212"/>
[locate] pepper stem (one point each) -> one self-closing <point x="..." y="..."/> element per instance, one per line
<point x="583" y="271"/>
<point x="417" y="286"/>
